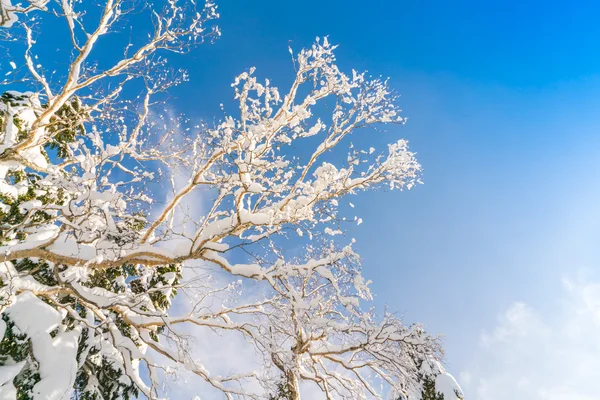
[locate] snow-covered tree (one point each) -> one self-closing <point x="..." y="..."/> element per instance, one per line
<point x="94" y="249"/>
<point x="315" y="331"/>
<point x="429" y="391"/>
<point x="435" y="383"/>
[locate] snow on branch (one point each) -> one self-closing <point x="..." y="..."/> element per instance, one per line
<point x="9" y="12"/>
<point x="100" y="234"/>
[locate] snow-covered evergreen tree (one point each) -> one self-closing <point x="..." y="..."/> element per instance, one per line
<point x="94" y="249"/>
<point x="429" y="391"/>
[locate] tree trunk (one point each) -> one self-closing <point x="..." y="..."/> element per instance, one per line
<point x="291" y="379"/>
<point x="292" y="385"/>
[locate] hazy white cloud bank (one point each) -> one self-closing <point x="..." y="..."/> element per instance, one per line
<point x="531" y="355"/>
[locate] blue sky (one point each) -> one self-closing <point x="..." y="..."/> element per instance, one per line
<point x="502" y="101"/>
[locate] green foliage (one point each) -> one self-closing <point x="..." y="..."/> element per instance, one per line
<point x="40" y="271"/>
<point x="429" y="392"/>
<point x="129" y="229"/>
<point x="98" y="378"/>
<point x="111" y="385"/>
<point x="13" y="214"/>
<point x="12" y="98"/>
<point x="281" y="392"/>
<point x="65" y="125"/>
<point x="16" y="347"/>
<point x="161" y="300"/>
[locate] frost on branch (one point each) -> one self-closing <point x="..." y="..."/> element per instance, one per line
<point x="94" y="250"/>
<point x="314" y="330"/>
<point x="9" y="12"/>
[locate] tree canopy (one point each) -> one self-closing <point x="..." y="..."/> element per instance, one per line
<point x="98" y="235"/>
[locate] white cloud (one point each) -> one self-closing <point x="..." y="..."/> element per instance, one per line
<point x="533" y="356"/>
